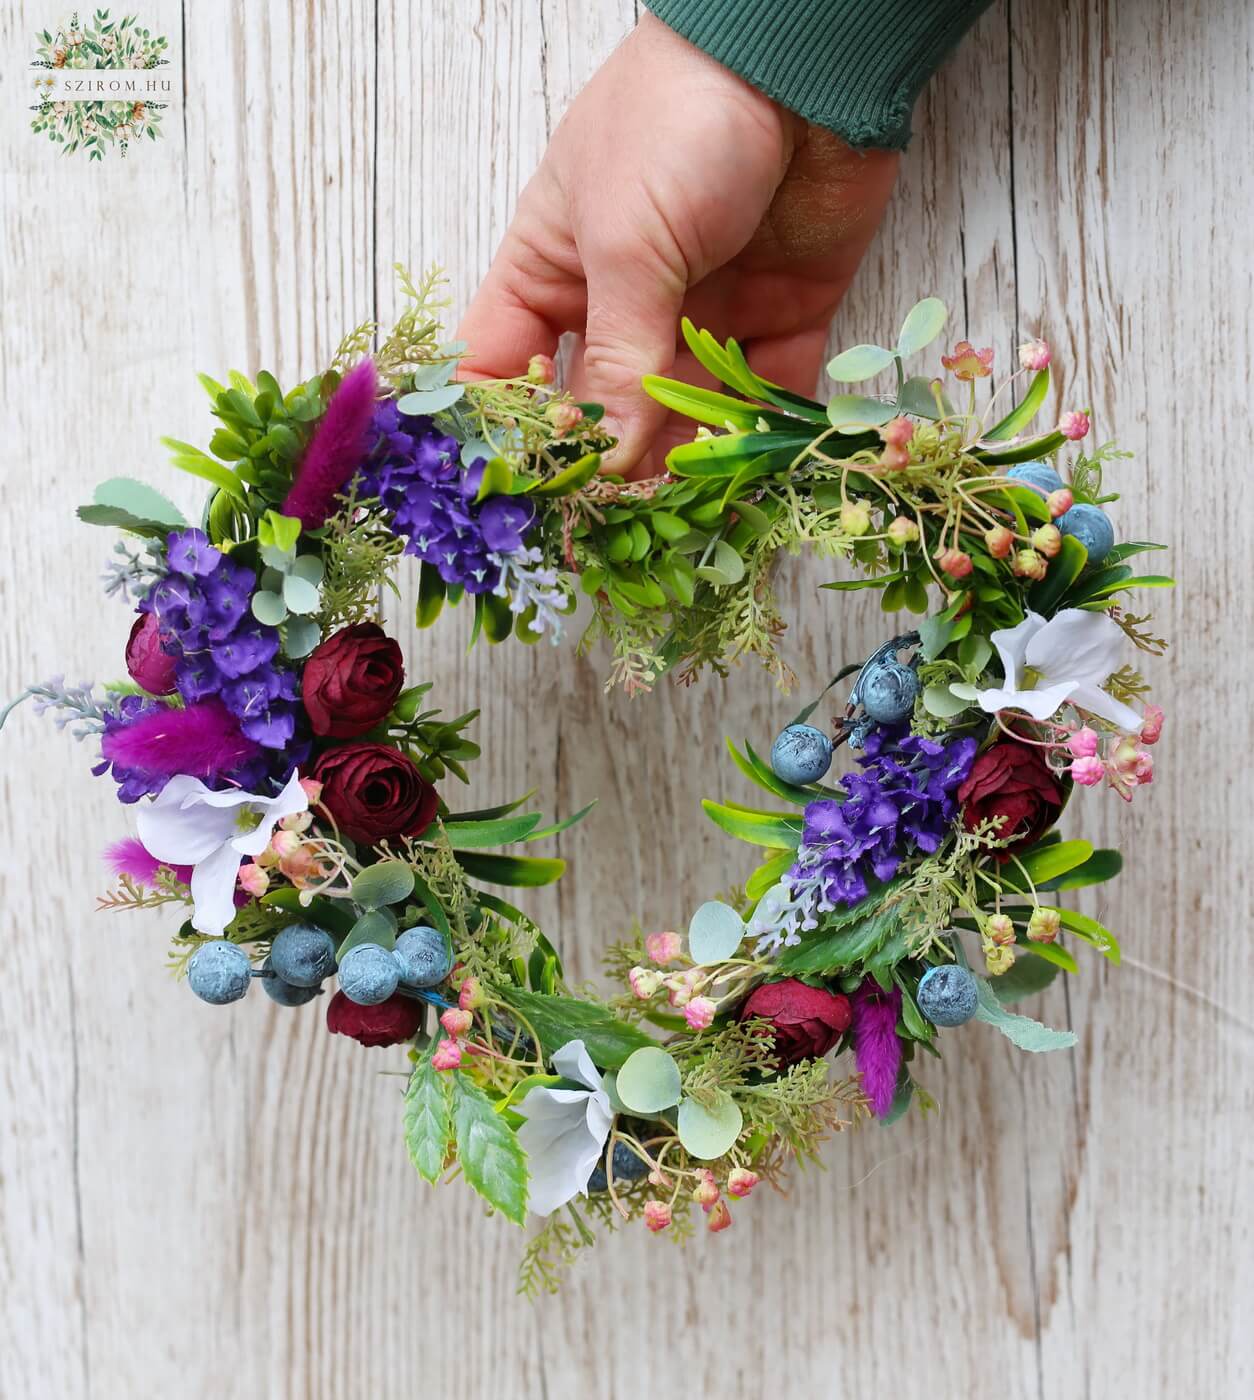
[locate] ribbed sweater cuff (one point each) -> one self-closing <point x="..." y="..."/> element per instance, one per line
<point x="855" y="66"/>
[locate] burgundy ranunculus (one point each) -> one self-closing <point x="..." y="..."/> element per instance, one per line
<point x="388" y="1023"/>
<point x="351" y="681"/>
<point x="1011" y="782"/>
<point x="149" y="666"/>
<point x="374" y="792"/>
<point x="807" y="1020"/>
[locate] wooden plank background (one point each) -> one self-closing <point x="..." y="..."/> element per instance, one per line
<point x="217" y="1204"/>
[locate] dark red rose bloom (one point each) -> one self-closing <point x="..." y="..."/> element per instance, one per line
<point x="807" y="1020"/>
<point x="351" y="681"/>
<point x="1011" y="782"/>
<point x="374" y="792"/>
<point x="148" y="665"/>
<point x="388" y="1023"/>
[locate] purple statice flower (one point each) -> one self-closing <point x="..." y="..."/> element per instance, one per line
<point x="901" y="804"/>
<point x="223" y="653"/>
<point x="418" y="476"/>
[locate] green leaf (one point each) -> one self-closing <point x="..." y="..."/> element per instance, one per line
<point x="193" y="461"/>
<point x="1019" y="417"/>
<point x="846" y="939"/>
<point x="918" y="399"/>
<point x="522" y="871"/>
<point x="708" y="406"/>
<point x="853" y="585"/>
<point x="758" y="771"/>
<point x="139" y="500"/>
<point x="939" y="700"/>
<point x="428" y="1123"/>
<point x="846" y="410"/>
<point x="779" y="830"/>
<point x="1127" y="550"/>
<point x="374" y="926"/>
<point x="114" y="518"/>
<point x="430" y="596"/>
<point x="1064" y="569"/>
<point x="725" y="454"/>
<point x="278" y="531"/>
<point x="300" y="636"/>
<point x="1030" y="451"/>
<point x="491" y="1157"/>
<point x="330" y="914"/>
<point x="1101" y="866"/>
<point x="388" y="882"/>
<point x="1028" y="976"/>
<point x="1093" y="933"/>
<point x="557" y="1020"/>
<point x="475" y="835"/>
<point x="300" y="595"/>
<point x="934" y="635"/>
<point x="768" y="875"/>
<point x="565" y="824"/>
<point x="648" y="1080"/>
<point x="1045" y="862"/>
<point x="859" y="362"/>
<point x="268" y="608"/>
<point x="428" y="401"/>
<point x="726" y="569"/>
<point x="1022" y="1031"/>
<point x="567" y="482"/>
<point x="715" y="931"/>
<point x="497" y="479"/>
<point x="924" y="322"/>
<point x="709" y="1132"/>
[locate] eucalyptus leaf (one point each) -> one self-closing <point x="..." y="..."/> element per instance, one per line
<point x="939" y="700"/>
<point x="715" y="931"/>
<point x="300" y="636"/>
<point x="859" y="362"/>
<point x="388" y="882"/>
<point x="648" y="1081"/>
<point x="422" y="402"/>
<point x="268" y="608"/>
<point x="708" y="1133"/>
<point x="924" y="322"/>
<point x="844" y="409"/>
<point x="300" y="595"/>
<point x="308" y="567"/>
<point x="374" y="926"/>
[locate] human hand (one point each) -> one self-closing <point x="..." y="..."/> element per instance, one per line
<point x="672" y="187"/>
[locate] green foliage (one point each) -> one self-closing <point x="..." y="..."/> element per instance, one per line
<point x="428" y="1120"/>
<point x="555" y="1020"/>
<point x="491" y="1159"/>
<point x="1021" y="1031"/>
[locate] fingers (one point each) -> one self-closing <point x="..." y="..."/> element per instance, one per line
<point x="793" y="361"/>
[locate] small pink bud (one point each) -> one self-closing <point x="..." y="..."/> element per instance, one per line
<point x="1047" y="540"/>
<point x="448" y="1055"/>
<point x="894" y="458"/>
<point x="955" y="562"/>
<point x="298" y="821"/>
<point x="253" y="879"/>
<point x="901" y="532"/>
<point x="663" y="947"/>
<point x="1074" y="425"/>
<point x="1044" y="925"/>
<point x="1143" y="772"/>
<point x="1059" y="502"/>
<point x="312" y="789"/>
<point x="644" y="982"/>
<point x="1083" y="743"/>
<point x="285" y="844"/>
<point x="471" y="996"/>
<point x="1087" y="771"/>
<point x="1035" y="355"/>
<point x="699" y="1013"/>
<point x="1029" y="564"/>
<point x="855" y="518"/>
<point x="564" y="415"/>
<point x="1152" y="724"/>
<point x="680" y="985"/>
<point x="456" y="1021"/>
<point x="1000" y="541"/>
<point x="718" y="1217"/>
<point x="705" y="1192"/>
<point x="741" y="1181"/>
<point x="541" y="370"/>
<point x="1000" y="929"/>
<point x="897" y="432"/>
<point x="1124" y="758"/>
<point x="657" y="1215"/>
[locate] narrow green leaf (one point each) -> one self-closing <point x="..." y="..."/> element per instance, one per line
<point x="564" y="825"/>
<point x="430" y="595"/>
<point x="1019" y="417"/>
<point x="768" y="875"/>
<point x="428" y="1122"/>
<point x="491" y="1157"/>
<point x="1031" y="451"/>
<point x="567" y="482"/>
<point x="556" y="1020"/>
<point x="758" y="771"/>
<point x="528" y="871"/>
<point x="193" y="461"/>
<point x="1066" y="566"/>
<point x="1093" y="933"/>
<point x="1101" y="866"/>
<point x="480" y="835"/>
<point x="778" y="830"/>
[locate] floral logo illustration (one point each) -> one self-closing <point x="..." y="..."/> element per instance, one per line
<point x="98" y="86"/>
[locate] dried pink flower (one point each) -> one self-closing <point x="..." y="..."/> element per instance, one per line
<point x="663" y="947"/>
<point x="1074" y="425"/>
<point x="1035" y="354"/>
<point x="699" y="1013"/>
<point x="968" y="363"/>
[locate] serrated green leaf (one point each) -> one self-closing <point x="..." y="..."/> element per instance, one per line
<point x="112" y="517"/>
<point x="138" y="499"/>
<point x="924" y="322"/>
<point x="558" y="1019"/>
<point x="859" y="362"/>
<point x="428" y="1121"/>
<point x="491" y="1157"/>
<point x="1022" y="1031"/>
<point x="848" y="938"/>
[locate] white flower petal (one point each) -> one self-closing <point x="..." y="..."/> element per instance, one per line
<point x="1040" y="704"/>
<point x="291" y="800"/>
<point x="572" y="1061"/>
<point x="213" y="891"/>
<point x="1012" y="644"/>
<point x="1100" y="702"/>
<point x="1077" y="646"/>
<point x="563" y="1136"/>
<point x="177" y="828"/>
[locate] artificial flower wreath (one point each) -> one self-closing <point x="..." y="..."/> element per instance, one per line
<point x="293" y="792"/>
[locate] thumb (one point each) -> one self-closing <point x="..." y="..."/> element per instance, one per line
<point x="634" y="304"/>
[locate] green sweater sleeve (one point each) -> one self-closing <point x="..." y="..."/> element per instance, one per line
<point x="855" y="66"/>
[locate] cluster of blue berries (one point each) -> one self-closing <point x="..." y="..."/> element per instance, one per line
<point x="1087" y="523"/>
<point x="303" y="957"/>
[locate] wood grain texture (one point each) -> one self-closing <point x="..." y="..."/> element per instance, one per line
<point x="217" y="1204"/>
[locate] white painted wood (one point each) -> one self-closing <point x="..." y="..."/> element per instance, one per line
<point x="211" y="1204"/>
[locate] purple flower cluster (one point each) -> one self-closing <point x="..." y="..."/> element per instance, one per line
<point x="418" y="476"/>
<point x="901" y="804"/>
<point x="133" y="783"/>
<point x="203" y="607"/>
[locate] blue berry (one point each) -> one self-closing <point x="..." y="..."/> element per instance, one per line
<point x="284" y="993"/>
<point x="627" y="1167"/>
<point x="1091" y="526"/>
<point x="947" y="995"/>
<point x="303" y="955"/>
<point x="1037" y="475"/>
<point x="218" y="972"/>
<point x="368" y="974"/>
<point x="888" y="690"/>
<point x="801" y="754"/>
<point x="422" y="957"/>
